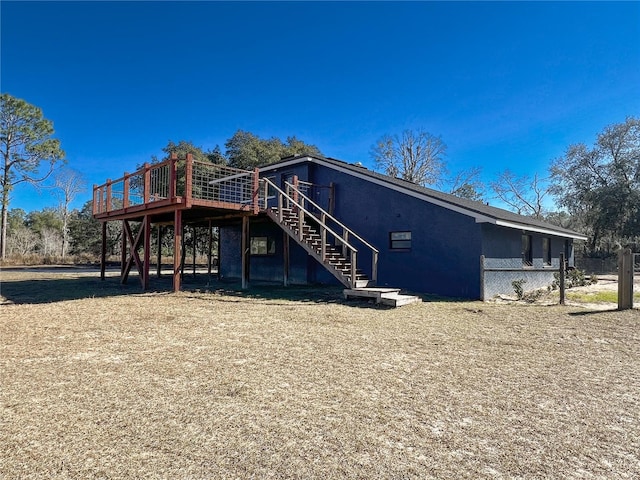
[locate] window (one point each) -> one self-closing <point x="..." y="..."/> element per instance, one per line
<point x="546" y="251"/>
<point x="263" y="246"/>
<point x="527" y="254"/>
<point x="400" y="240"/>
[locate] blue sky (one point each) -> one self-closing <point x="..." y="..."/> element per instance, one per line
<point x="506" y="85"/>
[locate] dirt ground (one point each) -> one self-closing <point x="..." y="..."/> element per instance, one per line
<point x="100" y="380"/>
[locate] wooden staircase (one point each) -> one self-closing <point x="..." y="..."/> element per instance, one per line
<point x="330" y="242"/>
<point x="335" y="259"/>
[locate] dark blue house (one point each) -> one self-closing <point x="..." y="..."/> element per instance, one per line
<point x="327" y="221"/>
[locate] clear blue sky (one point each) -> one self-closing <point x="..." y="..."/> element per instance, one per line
<point x="506" y="85"/>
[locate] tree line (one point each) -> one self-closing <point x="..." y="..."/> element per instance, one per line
<point x="592" y="189"/>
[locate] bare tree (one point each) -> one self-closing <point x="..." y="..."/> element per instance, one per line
<point x="50" y="241"/>
<point x="467" y="184"/>
<point x="523" y="194"/>
<point x="416" y="156"/>
<point x="22" y="241"/>
<point x="68" y="183"/>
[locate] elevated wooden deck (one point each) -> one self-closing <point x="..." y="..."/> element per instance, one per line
<point x="178" y="185"/>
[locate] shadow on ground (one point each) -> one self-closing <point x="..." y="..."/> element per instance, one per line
<point x="57" y="285"/>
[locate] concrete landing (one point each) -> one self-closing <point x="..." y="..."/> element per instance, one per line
<point x="386" y="296"/>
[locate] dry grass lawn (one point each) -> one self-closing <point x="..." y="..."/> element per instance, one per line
<point x="108" y="382"/>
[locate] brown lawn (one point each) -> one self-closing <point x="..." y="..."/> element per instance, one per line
<point x="107" y="382"/>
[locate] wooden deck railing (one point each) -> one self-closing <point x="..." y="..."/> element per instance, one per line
<point x="179" y="181"/>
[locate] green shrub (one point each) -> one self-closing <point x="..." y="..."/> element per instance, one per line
<point x="517" y="287"/>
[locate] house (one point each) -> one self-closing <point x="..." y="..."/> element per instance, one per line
<point x="404" y="235"/>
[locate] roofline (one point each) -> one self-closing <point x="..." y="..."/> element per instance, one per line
<point x="479" y="217"/>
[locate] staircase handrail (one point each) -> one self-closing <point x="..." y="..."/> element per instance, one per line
<point x="331" y="217"/>
<point x="288" y="197"/>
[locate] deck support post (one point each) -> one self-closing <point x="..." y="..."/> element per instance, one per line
<point x="218" y="257"/>
<point x="177" y="248"/>
<point x="123" y="249"/>
<point x="193" y="247"/>
<point x="245" y="252"/>
<point x="285" y="261"/>
<point x="159" y="265"/>
<point x="146" y="259"/>
<point x="209" y="248"/>
<point x="103" y="251"/>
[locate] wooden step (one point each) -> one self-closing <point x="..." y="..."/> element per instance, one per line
<point x="386" y="296"/>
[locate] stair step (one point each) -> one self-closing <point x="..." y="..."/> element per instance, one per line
<point x="386" y="296"/>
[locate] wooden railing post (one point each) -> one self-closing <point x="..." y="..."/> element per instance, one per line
<point x="173" y="175"/>
<point x="147" y="183"/>
<point x="280" y="207"/>
<point x="300" y="223"/>
<point x="95" y="199"/>
<point x="125" y="194"/>
<point x="295" y="189"/>
<point x="345" y="237"/>
<point x="374" y="268"/>
<point x="323" y="233"/>
<point x="256" y="191"/>
<point x="108" y="199"/>
<point x="353" y="268"/>
<point x="188" y="189"/>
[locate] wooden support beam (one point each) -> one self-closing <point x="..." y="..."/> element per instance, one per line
<point x="286" y="258"/>
<point x="146" y="226"/>
<point x="177" y="246"/>
<point x="134" y="257"/>
<point x="194" y="241"/>
<point x="218" y="256"/>
<point x="103" y="251"/>
<point x="123" y="250"/>
<point x="245" y="252"/>
<point x="159" y="262"/>
<point x="209" y="247"/>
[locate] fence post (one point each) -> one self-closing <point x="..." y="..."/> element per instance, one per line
<point x="561" y="274"/>
<point x="625" y="279"/>
<point x="482" y="278"/>
<point x="147" y="183"/>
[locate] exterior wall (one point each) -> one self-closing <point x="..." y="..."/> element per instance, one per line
<point x="267" y="268"/>
<point x="502" y="249"/>
<point x="445" y="246"/>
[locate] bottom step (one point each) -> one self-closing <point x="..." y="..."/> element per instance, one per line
<point x="386" y="296"/>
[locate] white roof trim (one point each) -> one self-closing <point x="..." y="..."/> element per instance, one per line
<point x="479" y="218"/>
<point x="531" y="228"/>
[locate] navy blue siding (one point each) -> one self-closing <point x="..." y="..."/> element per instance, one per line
<point x="445" y="245"/>
<point x="502" y="248"/>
